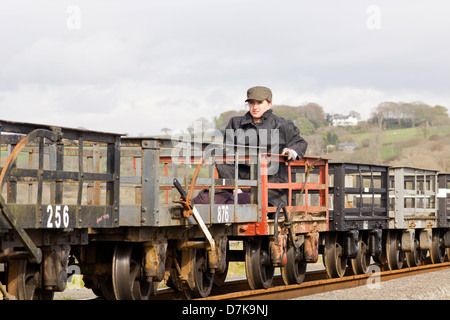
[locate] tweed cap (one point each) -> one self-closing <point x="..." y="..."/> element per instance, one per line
<point x="259" y="93"/>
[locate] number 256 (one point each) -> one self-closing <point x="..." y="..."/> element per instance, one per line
<point x="55" y="220"/>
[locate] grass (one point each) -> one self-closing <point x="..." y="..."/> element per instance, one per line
<point x="396" y="135"/>
<point x="236" y="269"/>
<point x="76" y="282"/>
<point x="391" y="142"/>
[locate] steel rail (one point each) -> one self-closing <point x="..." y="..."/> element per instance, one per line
<point x="315" y="282"/>
<point x="284" y="292"/>
<point x="232" y="286"/>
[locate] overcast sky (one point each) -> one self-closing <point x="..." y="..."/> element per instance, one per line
<point x="138" y="66"/>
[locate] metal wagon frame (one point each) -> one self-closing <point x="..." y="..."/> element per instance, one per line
<point x="39" y="220"/>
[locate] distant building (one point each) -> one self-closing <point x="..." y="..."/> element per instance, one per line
<point x="347" y="146"/>
<point x="338" y="120"/>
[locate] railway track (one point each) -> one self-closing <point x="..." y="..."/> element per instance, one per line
<point x="315" y="282"/>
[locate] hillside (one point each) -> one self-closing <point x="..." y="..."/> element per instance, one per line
<point x="414" y="147"/>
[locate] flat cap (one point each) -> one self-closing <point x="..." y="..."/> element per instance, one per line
<point x="259" y="93"/>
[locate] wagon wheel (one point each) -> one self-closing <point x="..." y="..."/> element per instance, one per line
<point x="258" y="267"/>
<point x="360" y="264"/>
<point x="295" y="269"/>
<point x="128" y="278"/>
<point x="394" y="254"/>
<point x="106" y="289"/>
<point x="23" y="281"/>
<point x="221" y="272"/>
<point x="220" y="277"/>
<point x="202" y="279"/>
<point x="413" y="258"/>
<point x="105" y="255"/>
<point x="437" y="251"/>
<point x="333" y="257"/>
<point x="101" y="284"/>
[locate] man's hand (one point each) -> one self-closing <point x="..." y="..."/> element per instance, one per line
<point x="291" y="154"/>
<point x="239" y="191"/>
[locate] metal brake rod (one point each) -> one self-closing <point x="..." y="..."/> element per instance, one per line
<point x="204" y="228"/>
<point x="190" y="209"/>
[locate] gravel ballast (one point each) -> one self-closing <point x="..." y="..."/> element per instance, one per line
<point x="430" y="286"/>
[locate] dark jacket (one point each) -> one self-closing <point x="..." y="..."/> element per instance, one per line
<point x="275" y="134"/>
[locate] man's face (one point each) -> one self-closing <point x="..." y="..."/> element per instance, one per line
<point x="257" y="108"/>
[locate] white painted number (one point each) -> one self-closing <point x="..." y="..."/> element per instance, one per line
<point x="50" y="216"/>
<point x="222" y="214"/>
<point x="57" y="219"/>
<point x="66" y="216"/>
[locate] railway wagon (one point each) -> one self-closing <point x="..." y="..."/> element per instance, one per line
<point x="48" y="178"/>
<point x="444" y="208"/>
<point x="187" y="246"/>
<point x="414" y="228"/>
<point x="161" y="236"/>
<point x="359" y="207"/>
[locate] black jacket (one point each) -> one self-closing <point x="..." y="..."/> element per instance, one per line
<point x="275" y="134"/>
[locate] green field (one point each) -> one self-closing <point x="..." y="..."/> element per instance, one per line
<point x="391" y="142"/>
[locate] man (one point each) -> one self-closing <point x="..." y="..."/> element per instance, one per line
<point x="259" y="127"/>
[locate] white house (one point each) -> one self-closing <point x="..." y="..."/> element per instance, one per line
<point x="344" y="121"/>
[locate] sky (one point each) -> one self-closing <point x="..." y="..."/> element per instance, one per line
<point x="135" y="67"/>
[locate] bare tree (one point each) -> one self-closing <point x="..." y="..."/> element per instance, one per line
<point x="355" y="114"/>
<point x="166" y="131"/>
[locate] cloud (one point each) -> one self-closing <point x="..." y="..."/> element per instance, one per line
<point x="142" y="66"/>
<point x="98" y="58"/>
<point x="361" y="99"/>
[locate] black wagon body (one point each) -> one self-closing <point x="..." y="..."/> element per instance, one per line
<point x="360" y="196"/>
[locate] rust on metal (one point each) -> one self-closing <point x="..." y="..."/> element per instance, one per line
<point x="36" y="254"/>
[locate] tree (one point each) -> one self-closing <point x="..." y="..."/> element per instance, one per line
<point x="408" y="114"/>
<point x="405" y="114"/>
<point x="166" y="131"/>
<point x="423" y="114"/>
<point x="332" y="138"/>
<point x="204" y="123"/>
<point x="383" y="112"/>
<point x="355" y="114"/>
<point x="286" y="112"/>
<point x="223" y="119"/>
<point x="440" y="115"/>
<point x="305" y="126"/>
